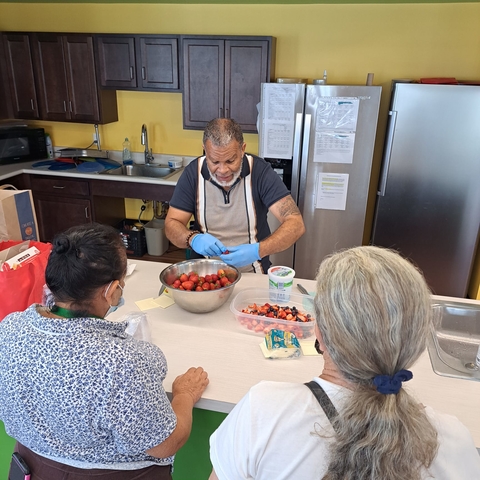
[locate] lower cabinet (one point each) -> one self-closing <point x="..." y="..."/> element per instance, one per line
<point x="60" y="204"/>
<point x="54" y="214"/>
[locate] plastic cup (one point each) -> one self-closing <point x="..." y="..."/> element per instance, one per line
<point x="280" y="281"/>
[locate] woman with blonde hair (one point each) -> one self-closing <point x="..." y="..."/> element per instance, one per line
<point x="373" y="312"/>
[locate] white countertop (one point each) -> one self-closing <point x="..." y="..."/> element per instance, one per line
<point x="234" y="362"/>
<point x="8" y="171"/>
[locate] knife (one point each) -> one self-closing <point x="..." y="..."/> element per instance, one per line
<point x="302" y="289"/>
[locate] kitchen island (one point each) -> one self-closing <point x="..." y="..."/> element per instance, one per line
<point x="234" y="362"/>
<point x="232" y="357"/>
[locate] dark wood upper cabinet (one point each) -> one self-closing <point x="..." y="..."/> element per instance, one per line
<point x="73" y="77"/>
<point x="66" y="79"/>
<point x="203" y="81"/>
<point x="158" y="63"/>
<point x="116" y="61"/>
<point x="138" y="62"/>
<point x="21" y="81"/>
<point x="222" y="77"/>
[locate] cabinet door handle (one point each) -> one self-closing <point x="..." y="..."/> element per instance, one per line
<point x="31" y="103"/>
<point x="86" y="212"/>
<point x="64" y="106"/>
<point x="71" y="109"/>
<point x="143" y="73"/>
<point x="131" y="73"/>
<point x="227" y="113"/>
<point x="59" y="187"/>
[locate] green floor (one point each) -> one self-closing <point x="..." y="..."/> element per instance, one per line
<point x="6" y="449"/>
<point x="191" y="463"/>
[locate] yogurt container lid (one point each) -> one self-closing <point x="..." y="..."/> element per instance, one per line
<point x="280" y="271"/>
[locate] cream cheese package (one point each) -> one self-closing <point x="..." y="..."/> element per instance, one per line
<point x="281" y="344"/>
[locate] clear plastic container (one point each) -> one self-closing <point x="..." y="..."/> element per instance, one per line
<point x="126" y="151"/>
<point x="260" y="325"/>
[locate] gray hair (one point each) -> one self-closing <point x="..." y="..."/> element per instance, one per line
<point x="221" y="131"/>
<point x="373" y="309"/>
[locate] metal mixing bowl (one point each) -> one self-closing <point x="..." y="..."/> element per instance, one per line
<point x="199" y="302"/>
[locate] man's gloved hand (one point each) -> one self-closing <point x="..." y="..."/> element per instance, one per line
<point x="242" y="255"/>
<point x="207" y="245"/>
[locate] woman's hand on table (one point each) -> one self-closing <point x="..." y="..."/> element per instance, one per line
<point x="193" y="382"/>
<point x="186" y="391"/>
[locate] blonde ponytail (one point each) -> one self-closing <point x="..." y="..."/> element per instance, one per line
<point x="373" y="309"/>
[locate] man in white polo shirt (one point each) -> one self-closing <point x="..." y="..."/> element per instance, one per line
<point x="229" y="194"/>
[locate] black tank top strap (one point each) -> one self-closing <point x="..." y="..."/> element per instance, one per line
<point x="323" y="400"/>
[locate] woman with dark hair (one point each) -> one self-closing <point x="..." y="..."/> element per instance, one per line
<point x="81" y="397"/>
<point x="355" y="421"/>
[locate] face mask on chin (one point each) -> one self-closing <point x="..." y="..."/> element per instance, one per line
<point x="113" y="308"/>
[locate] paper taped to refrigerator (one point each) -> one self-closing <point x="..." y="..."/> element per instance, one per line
<point x="331" y="191"/>
<point x="333" y="147"/>
<point x="278" y="117"/>
<point x="335" y="127"/>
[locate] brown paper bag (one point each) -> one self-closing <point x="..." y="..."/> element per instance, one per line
<point x="17" y="215"/>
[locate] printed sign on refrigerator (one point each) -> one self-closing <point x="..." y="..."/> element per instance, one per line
<point x="331" y="191"/>
<point x="334" y="147"/>
<point x="278" y="121"/>
<point x="335" y="127"/>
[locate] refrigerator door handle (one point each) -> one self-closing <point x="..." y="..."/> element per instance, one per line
<point x="297" y="141"/>
<point x="387" y="153"/>
<point x="304" y="162"/>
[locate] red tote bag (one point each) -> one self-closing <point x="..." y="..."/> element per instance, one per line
<point x="21" y="287"/>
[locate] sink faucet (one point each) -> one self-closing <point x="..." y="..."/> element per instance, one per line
<point x="148" y="153"/>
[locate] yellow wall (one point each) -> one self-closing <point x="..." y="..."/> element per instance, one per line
<point x="392" y="41"/>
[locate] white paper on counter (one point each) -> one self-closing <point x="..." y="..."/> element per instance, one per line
<point x="331" y="191"/>
<point x="163" y="301"/>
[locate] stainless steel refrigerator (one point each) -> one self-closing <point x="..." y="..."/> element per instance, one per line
<point x="320" y="139"/>
<point x="428" y="203"/>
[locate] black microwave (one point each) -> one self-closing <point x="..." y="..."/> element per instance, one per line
<point x="21" y="144"/>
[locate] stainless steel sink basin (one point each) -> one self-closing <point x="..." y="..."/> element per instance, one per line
<point x="155" y="171"/>
<point x="455" y="339"/>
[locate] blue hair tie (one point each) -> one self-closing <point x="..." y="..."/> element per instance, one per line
<point x="387" y="384"/>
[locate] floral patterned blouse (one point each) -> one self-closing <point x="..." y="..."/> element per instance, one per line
<point x="83" y="392"/>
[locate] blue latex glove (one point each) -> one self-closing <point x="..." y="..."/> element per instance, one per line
<point x="242" y="255"/>
<point x="207" y="245"/>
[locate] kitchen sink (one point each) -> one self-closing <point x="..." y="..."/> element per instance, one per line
<point x="155" y="171"/>
<point x="455" y="339"/>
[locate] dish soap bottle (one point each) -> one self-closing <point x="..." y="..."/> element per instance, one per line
<point x="48" y="142"/>
<point x="127" y="153"/>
